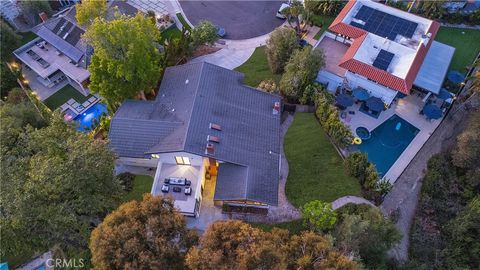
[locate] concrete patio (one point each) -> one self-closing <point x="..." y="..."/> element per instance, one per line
<point x="407" y="108"/>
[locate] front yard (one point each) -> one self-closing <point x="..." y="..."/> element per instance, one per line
<point x="256" y="69"/>
<point x="316" y="170"/>
<point x="141" y="184"/>
<point x="466" y="43"/>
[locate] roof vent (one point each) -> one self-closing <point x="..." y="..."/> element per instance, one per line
<point x="186" y="81"/>
<point x="210" y="150"/>
<point x="276" y="108"/>
<point x="215" y="126"/>
<point x="211" y="138"/>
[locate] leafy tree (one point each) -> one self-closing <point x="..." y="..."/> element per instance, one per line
<point x="9" y="41"/>
<point x="371" y="177"/>
<point x="308" y="96"/>
<point x="9" y="79"/>
<point x="318" y="215"/>
<point x="463" y="237"/>
<point x="126" y="61"/>
<point x="324" y="7"/>
<point x="467" y="152"/>
<point x="56" y="184"/>
<point x="150" y="234"/>
<point x="313" y="251"/>
<point x="233" y="244"/>
<point x="356" y="164"/>
<point x="126" y="181"/>
<point x="280" y="46"/>
<point x="88" y="10"/>
<point x="204" y="33"/>
<point x="431" y="9"/>
<point x="363" y="232"/>
<point x="300" y="71"/>
<point x="268" y="86"/>
<point x="177" y="50"/>
<point x="32" y="8"/>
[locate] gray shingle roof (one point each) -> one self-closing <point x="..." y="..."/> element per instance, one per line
<point x="195" y="95"/>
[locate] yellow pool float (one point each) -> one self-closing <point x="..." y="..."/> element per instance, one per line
<point x="357" y="140"/>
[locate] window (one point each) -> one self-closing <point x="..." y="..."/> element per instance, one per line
<point x="182" y="160"/>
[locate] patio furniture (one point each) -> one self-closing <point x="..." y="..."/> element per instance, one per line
<point x="432" y="111"/>
<point x="86" y="103"/>
<point x="374" y="104"/>
<point x="166" y="181"/>
<point x="351" y="112"/>
<point x="188" y="182"/>
<point x="361" y="94"/>
<point x="165" y="188"/>
<point x="92" y="99"/>
<point x="344" y="100"/>
<point x="177" y="189"/>
<point x="177" y="181"/>
<point x="70" y="101"/>
<point x="456" y="77"/>
<point x="188" y="191"/>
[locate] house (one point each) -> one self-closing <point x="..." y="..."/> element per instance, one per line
<point x="204" y="125"/>
<point x="57" y="56"/>
<point x="384" y="50"/>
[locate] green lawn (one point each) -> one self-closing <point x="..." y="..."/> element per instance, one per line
<point x="171" y="33"/>
<point x="294" y="227"/>
<point x="142" y="184"/>
<point x="467" y="45"/>
<point x="324" y="21"/>
<point x="256" y="68"/>
<point x="183" y="21"/>
<point x="63" y="95"/>
<point x="316" y="170"/>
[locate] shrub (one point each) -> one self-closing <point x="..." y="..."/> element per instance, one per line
<point x="356" y="164"/>
<point x="126" y="181"/>
<point x="204" y="33"/>
<point x="318" y="215"/>
<point x="268" y="86"/>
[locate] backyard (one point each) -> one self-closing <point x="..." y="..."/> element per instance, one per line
<point x="141" y="184"/>
<point x="256" y="68"/>
<point x="170" y="34"/>
<point x="63" y="95"/>
<point x="316" y="170"/>
<point x="465" y="42"/>
<point x="322" y="21"/>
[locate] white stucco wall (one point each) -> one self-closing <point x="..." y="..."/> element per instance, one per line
<point x="375" y="89"/>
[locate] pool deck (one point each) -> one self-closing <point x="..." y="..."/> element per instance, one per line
<point x="407" y="108"/>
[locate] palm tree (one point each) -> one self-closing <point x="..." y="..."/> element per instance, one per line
<point x="293" y="13"/>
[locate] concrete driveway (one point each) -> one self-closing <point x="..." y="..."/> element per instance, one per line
<point x="241" y="19"/>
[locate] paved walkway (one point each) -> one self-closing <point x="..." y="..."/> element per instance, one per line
<point x="284" y="211"/>
<point x="233" y="53"/>
<point x="349" y="199"/>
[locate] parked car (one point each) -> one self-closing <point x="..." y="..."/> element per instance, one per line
<point x="280" y="15"/>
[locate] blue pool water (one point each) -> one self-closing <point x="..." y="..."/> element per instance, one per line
<point x="387" y="142"/>
<point x="86" y="118"/>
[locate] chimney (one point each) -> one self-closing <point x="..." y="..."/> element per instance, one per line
<point x="210" y="150"/>
<point x="43" y="16"/>
<point x="276" y="108"/>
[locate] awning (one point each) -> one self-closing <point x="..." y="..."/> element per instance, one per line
<point x="375" y="104"/>
<point x="432" y="111"/>
<point x="434" y="67"/>
<point x="344" y="100"/>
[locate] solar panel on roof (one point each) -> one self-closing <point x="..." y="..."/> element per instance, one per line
<point x="74" y="36"/>
<point x="58" y="25"/>
<point x="384" y="24"/>
<point x="383" y="60"/>
<point x="65" y="29"/>
<point x="356" y="24"/>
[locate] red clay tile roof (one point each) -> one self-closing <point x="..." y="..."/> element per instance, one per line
<point x="371" y="72"/>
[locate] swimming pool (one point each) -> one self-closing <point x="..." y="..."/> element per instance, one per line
<point x="387" y="142"/>
<point x="86" y="118"/>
